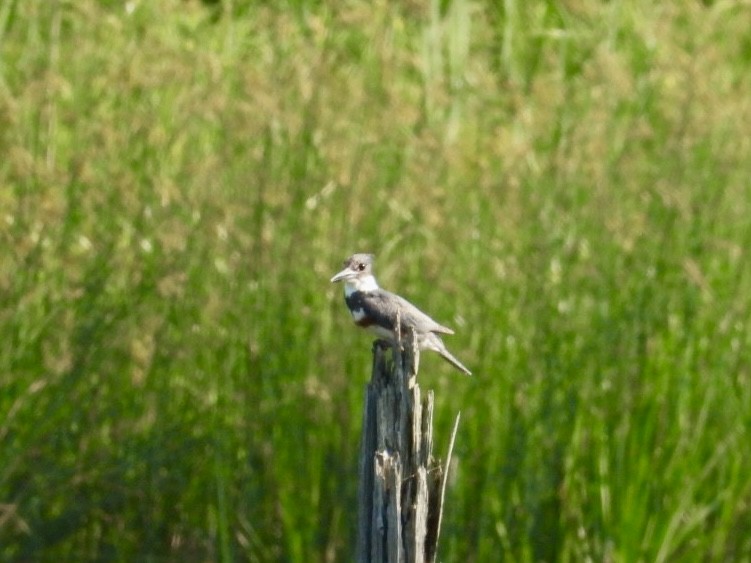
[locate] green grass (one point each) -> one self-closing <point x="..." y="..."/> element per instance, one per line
<point x="566" y="184"/>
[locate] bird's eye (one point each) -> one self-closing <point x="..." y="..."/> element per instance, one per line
<point x="361" y="266"/>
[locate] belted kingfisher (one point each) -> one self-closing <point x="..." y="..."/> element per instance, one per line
<point x="377" y="309"/>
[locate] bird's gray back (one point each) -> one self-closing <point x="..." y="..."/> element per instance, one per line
<point x="382" y="303"/>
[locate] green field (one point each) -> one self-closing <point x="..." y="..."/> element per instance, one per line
<point x="566" y="184"/>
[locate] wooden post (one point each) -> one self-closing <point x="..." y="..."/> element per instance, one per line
<point x="401" y="485"/>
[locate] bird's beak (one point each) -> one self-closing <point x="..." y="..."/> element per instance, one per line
<point x="343" y="275"/>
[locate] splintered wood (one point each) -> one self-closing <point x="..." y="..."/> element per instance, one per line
<point x="401" y="485"/>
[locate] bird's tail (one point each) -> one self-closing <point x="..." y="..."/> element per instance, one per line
<point x="446" y="355"/>
<point x="435" y="343"/>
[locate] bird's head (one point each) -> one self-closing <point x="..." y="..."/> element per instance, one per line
<point x="358" y="272"/>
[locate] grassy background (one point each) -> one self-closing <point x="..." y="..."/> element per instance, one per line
<point x="566" y="184"/>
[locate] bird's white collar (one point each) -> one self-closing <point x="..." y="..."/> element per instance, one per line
<point x="364" y="283"/>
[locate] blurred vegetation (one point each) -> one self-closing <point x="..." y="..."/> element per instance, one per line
<point x="566" y="184"/>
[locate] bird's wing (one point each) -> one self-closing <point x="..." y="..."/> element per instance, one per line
<point x="410" y="315"/>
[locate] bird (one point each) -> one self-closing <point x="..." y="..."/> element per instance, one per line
<point x="379" y="310"/>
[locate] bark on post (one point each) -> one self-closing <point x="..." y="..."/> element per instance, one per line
<point x="401" y="484"/>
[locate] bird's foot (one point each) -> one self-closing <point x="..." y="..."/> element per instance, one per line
<point x="382" y="344"/>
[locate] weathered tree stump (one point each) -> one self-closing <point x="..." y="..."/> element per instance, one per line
<point x="401" y="485"/>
